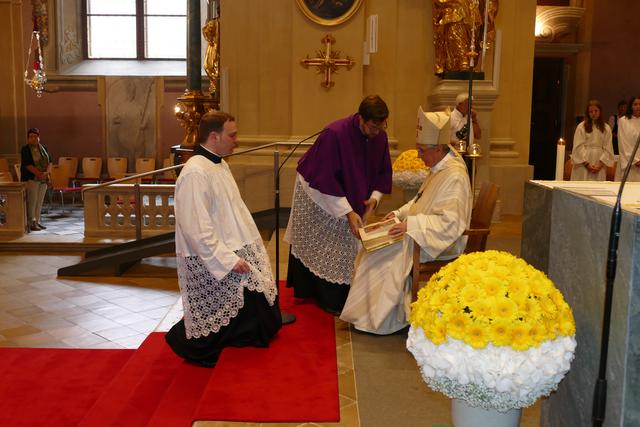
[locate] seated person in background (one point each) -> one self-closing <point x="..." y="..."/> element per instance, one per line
<point x="592" y="148"/>
<point x="380" y="294"/>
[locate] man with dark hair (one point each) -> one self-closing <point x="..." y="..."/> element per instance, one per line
<point x="35" y="167"/>
<point x="228" y="292"/>
<point x="340" y="181"/>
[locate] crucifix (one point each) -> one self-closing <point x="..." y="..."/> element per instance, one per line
<point x="327" y="61"/>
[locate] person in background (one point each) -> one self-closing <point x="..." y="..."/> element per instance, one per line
<point x="341" y="179"/>
<point x="613" y="123"/>
<point x="228" y="292"/>
<point x="592" y="147"/>
<point x="459" y="119"/>
<point x="35" y="167"/>
<point x="628" y="131"/>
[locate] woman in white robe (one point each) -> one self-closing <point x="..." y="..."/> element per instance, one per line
<point x="592" y="146"/>
<point x="628" y="131"/>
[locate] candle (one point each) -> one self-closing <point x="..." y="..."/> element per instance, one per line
<point x="484" y="32"/>
<point x="560" y="160"/>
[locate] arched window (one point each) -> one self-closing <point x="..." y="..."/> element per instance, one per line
<point x="134" y="29"/>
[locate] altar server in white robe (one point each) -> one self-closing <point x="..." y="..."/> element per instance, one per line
<point x="628" y="131"/>
<point x="228" y="292"/>
<point x="592" y="147"/>
<point x="380" y="295"/>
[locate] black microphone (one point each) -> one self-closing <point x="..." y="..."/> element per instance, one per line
<point x="286" y="317"/>
<point x="600" y="392"/>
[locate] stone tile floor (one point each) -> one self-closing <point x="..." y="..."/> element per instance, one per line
<point x="40" y="309"/>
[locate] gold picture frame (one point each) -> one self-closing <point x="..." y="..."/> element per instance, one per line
<point x="329" y="12"/>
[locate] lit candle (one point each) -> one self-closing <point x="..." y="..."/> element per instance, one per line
<point x="560" y="160"/>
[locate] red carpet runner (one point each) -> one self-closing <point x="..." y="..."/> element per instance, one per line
<point x="295" y="380"/>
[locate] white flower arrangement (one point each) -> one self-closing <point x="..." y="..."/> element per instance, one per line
<point x="409" y="180"/>
<point x="493" y="331"/>
<point x="493" y="377"/>
<point x="409" y="171"/>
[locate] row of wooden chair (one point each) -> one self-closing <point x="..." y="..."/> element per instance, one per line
<point x="92" y="169"/>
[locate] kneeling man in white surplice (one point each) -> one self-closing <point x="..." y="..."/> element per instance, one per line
<point x="380" y="295"/>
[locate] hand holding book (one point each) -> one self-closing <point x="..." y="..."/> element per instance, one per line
<point x="378" y="235"/>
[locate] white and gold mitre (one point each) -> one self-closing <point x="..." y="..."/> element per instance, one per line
<point x="433" y="128"/>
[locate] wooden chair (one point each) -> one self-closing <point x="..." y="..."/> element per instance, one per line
<point x="16" y="168"/>
<point x="4" y="165"/>
<point x="478" y="232"/>
<point x="5" y="176"/>
<point x="70" y="164"/>
<point x="168" y="177"/>
<point x="116" y="166"/>
<point x="145" y="164"/>
<point x="60" y="184"/>
<point x="91" y="169"/>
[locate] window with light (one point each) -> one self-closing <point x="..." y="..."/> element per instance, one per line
<point x="135" y="29"/>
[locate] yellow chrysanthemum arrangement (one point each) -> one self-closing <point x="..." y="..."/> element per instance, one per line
<point x="409" y="171"/>
<point x="494" y="297"/>
<point x="490" y="329"/>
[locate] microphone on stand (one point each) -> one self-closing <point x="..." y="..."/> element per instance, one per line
<point x="600" y="392"/>
<point x="286" y="317"/>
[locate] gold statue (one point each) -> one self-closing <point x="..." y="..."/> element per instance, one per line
<point x="211" y="32"/>
<point x="458" y="32"/>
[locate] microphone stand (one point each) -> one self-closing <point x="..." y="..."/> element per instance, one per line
<point x="600" y="392"/>
<point x="286" y="317"/>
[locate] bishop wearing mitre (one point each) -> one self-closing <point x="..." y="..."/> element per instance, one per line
<point x="380" y="295"/>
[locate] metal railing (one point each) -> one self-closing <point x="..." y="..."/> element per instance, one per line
<point x="137" y="177"/>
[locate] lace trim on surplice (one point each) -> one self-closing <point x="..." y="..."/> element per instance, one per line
<point x="210" y="304"/>
<point x="322" y="242"/>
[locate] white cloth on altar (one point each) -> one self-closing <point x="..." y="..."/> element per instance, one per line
<point x="628" y="131"/>
<point x="380" y="293"/>
<point x="214" y="229"/>
<point x="592" y="147"/>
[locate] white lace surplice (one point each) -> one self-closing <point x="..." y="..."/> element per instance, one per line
<point x="214" y="229"/>
<point x="210" y="304"/>
<point x="321" y="241"/>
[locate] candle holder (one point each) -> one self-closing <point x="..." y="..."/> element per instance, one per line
<point x="39" y="77"/>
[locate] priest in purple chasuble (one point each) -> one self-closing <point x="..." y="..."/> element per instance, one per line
<point x="380" y="294"/>
<point x="340" y="181"/>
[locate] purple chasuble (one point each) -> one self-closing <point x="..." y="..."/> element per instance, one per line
<point x="344" y="163"/>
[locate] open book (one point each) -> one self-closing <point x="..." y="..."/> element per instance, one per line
<point x="376" y="236"/>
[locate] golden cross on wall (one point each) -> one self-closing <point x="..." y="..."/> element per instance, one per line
<point x="327" y="61"/>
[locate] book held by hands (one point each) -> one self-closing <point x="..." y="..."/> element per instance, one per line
<point x="376" y="236"/>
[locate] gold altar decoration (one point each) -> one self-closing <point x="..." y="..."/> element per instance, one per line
<point x="457" y="24"/>
<point x="188" y="110"/>
<point x="211" y="32"/>
<point x="329" y="12"/>
<point x="39" y="77"/>
<point x="327" y="61"/>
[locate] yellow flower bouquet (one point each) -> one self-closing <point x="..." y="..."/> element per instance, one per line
<point x="409" y="171"/>
<point x="492" y="330"/>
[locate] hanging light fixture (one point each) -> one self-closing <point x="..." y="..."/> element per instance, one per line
<point x="39" y="77"/>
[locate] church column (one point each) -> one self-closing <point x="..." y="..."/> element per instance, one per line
<point x="194" y="62"/>
<point x="193" y="104"/>
<point x="13" y="110"/>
